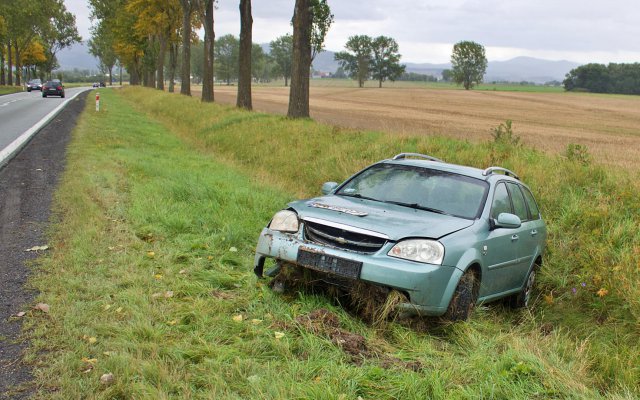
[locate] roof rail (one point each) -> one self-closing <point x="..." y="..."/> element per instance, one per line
<point x="507" y="172"/>
<point x="403" y="156"/>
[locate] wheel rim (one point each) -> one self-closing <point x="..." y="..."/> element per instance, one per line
<point x="529" y="286"/>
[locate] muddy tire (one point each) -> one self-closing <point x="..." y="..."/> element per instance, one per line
<point x="464" y="298"/>
<point x="523" y="298"/>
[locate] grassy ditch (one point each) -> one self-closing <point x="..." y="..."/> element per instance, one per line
<point x="149" y="276"/>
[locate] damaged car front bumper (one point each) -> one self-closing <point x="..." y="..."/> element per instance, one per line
<point x="428" y="287"/>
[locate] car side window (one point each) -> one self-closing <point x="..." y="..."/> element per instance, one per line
<point x="501" y="202"/>
<point x="531" y="202"/>
<point x="519" y="205"/>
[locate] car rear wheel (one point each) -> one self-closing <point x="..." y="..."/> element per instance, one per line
<point x="62" y="95"/>
<point x="44" y="95"/>
<point x="464" y="297"/>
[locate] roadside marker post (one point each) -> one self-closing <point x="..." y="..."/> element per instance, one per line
<point x="97" y="101"/>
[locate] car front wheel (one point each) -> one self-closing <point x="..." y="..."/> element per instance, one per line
<point x="44" y="95"/>
<point x="464" y="298"/>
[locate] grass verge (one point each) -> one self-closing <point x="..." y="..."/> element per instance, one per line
<point x="149" y="276"/>
<point x="10" y="89"/>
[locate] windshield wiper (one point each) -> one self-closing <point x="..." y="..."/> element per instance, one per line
<point x="357" y="196"/>
<point x="418" y="207"/>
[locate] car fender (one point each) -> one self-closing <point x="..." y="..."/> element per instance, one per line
<point x="469" y="258"/>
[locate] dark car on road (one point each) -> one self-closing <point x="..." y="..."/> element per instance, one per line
<point x="34" y="84"/>
<point x="53" y="88"/>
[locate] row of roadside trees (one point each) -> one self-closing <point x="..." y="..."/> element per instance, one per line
<point x="140" y="33"/>
<point x="32" y="32"/>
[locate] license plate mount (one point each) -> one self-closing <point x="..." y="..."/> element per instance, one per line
<point x="331" y="264"/>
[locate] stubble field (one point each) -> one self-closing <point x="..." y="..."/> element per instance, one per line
<point x="609" y="125"/>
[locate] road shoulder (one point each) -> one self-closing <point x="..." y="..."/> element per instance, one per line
<point x="27" y="184"/>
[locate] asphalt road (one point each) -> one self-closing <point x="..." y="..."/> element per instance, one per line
<point x="20" y="111"/>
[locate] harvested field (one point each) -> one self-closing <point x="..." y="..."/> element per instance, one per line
<point x="609" y="125"/>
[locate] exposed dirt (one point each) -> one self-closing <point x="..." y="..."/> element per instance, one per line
<point x="608" y="125"/>
<point x="323" y="322"/>
<point x="27" y="184"/>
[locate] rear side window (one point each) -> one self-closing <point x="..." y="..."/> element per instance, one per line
<point x="501" y="202"/>
<point x="531" y="202"/>
<point x="519" y="205"/>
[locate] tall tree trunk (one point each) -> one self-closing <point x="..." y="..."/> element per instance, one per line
<point x="209" y="36"/>
<point x="173" y="63"/>
<point x="286" y="81"/>
<point x="9" y="64"/>
<point x="160" y="62"/>
<point x="2" y="75"/>
<point x="379" y="83"/>
<point x="111" y="75"/>
<point x="185" y="76"/>
<point x="120" y="67"/>
<point x="244" y="59"/>
<point x="18" y="67"/>
<point x="301" y="61"/>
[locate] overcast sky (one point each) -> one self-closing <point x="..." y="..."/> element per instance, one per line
<point x="575" y="30"/>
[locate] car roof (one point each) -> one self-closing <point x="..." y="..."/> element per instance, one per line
<point x="485" y="175"/>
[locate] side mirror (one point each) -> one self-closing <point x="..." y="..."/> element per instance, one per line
<point x="508" y="221"/>
<point x="329" y="187"/>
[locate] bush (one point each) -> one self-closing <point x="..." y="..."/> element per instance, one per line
<point x="503" y="134"/>
<point x="578" y="153"/>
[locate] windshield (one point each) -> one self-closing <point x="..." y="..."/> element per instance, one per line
<point x="421" y="188"/>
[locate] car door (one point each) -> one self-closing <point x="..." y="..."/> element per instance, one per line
<point x="526" y="237"/>
<point x="499" y="249"/>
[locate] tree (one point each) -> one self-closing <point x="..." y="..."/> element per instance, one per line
<point x="468" y="63"/>
<point x="447" y="75"/>
<point x="208" y="59"/>
<point x="282" y="53"/>
<point x="226" y="51"/>
<point x="385" y="63"/>
<point x="321" y="20"/>
<point x="101" y="47"/>
<point x="260" y="63"/>
<point x="301" y="62"/>
<point x="61" y="32"/>
<point x="3" y="35"/>
<point x="356" y="61"/>
<point x="244" y="59"/>
<point x="188" y="7"/>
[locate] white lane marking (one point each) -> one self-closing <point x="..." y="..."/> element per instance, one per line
<point x="16" y="145"/>
<point x="9" y="102"/>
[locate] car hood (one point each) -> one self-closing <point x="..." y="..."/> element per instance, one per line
<point x="396" y="222"/>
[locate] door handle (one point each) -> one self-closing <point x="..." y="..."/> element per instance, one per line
<point x="534" y="232"/>
<point x="514" y="238"/>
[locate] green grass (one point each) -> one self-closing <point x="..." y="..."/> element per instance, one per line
<point x="159" y="191"/>
<point x="10" y="89"/>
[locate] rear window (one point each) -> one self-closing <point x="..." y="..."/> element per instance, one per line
<point x="519" y="205"/>
<point x="531" y="202"/>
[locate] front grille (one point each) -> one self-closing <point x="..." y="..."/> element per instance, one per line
<point x="342" y="239"/>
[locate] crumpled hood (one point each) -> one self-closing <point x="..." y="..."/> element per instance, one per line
<point x="397" y="222"/>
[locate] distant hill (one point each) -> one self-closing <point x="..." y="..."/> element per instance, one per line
<point x="515" y="70"/>
<point x="77" y="56"/>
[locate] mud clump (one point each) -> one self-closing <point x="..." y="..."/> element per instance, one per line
<point x="323" y="322"/>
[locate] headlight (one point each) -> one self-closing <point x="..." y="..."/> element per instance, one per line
<point x="420" y="250"/>
<point x="285" y="221"/>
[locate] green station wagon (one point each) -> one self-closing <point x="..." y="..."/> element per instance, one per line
<point x="445" y="236"/>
